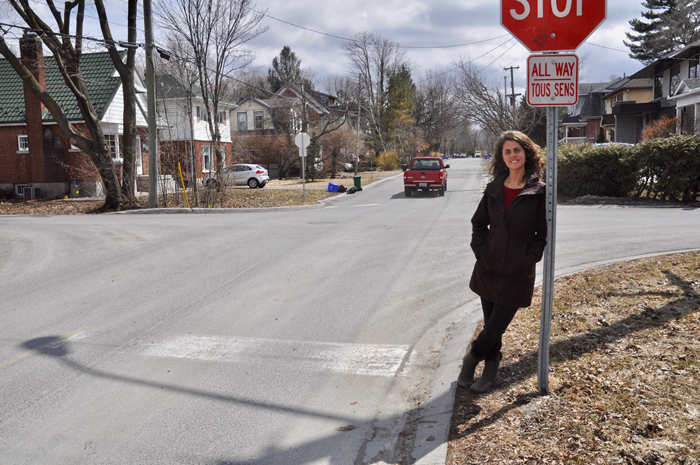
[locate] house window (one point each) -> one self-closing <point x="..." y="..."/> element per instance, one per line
<point x="675" y="78"/>
<point x="207" y="159"/>
<point x="139" y="156"/>
<point x="23" y="143"/>
<point x="259" y="120"/>
<point x="658" y="86"/>
<point x="242" y="121"/>
<point x="221" y="118"/>
<point x="113" y="146"/>
<point x="694" y="67"/>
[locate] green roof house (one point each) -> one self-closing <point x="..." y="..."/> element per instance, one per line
<point x="36" y="160"/>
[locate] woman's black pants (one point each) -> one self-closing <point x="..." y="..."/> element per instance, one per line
<point x="487" y="344"/>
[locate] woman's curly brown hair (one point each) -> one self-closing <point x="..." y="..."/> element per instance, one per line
<point x="533" y="157"/>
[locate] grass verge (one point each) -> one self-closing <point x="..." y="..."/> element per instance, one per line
<point x="624" y="375"/>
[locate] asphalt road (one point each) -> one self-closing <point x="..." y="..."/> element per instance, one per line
<point x="298" y="337"/>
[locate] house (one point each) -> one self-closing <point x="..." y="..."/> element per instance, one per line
<point x="675" y="88"/>
<point x="625" y="107"/>
<point x="36" y="160"/>
<point x="575" y="127"/>
<point x="253" y="116"/>
<point x="281" y="113"/>
<point x="585" y="122"/>
<point x="186" y="138"/>
<point x="610" y="111"/>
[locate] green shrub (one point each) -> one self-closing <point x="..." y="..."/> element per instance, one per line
<point x="664" y="169"/>
<point x="670" y="168"/>
<point x="387" y="161"/>
<point x="587" y="169"/>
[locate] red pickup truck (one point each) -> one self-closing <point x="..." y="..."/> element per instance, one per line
<point x="425" y="173"/>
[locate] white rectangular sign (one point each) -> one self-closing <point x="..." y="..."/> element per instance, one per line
<point x="552" y="80"/>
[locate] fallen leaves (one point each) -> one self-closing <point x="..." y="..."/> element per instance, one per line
<point x="623" y="375"/>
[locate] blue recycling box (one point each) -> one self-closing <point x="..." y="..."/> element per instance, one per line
<point x="332" y="187"/>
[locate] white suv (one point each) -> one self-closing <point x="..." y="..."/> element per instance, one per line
<point x="240" y="175"/>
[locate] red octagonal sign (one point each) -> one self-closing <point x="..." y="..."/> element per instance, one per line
<point x="552" y="25"/>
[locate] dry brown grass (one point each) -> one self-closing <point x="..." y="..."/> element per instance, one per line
<point x="231" y="197"/>
<point x="624" y="375"/>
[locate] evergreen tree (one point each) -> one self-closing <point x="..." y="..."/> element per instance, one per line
<point x="666" y="26"/>
<point x="401" y="98"/>
<point x="286" y="68"/>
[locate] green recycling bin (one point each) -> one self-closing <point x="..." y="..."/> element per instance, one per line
<point x="358" y="182"/>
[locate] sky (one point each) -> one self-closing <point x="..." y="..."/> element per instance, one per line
<point x="431" y="23"/>
<point x="436" y="34"/>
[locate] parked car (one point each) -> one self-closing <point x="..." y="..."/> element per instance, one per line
<point x="347" y="167"/>
<point x="240" y="175"/>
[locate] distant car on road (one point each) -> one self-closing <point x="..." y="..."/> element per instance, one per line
<point x="347" y="167"/>
<point x="240" y="175"/>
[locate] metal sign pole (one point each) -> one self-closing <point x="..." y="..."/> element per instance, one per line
<point x="303" y="172"/>
<point x="548" y="263"/>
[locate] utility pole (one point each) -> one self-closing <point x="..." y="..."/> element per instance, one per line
<point x="359" y="113"/>
<point x="512" y="94"/>
<point x="151" y="97"/>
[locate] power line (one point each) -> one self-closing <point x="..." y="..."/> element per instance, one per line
<point x="470" y="61"/>
<point x="608" y="48"/>
<point x="351" y="40"/>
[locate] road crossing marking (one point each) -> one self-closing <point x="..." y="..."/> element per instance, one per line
<point x="356" y="359"/>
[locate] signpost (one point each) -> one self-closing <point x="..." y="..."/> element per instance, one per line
<point x="302" y="140"/>
<point x="551" y="26"/>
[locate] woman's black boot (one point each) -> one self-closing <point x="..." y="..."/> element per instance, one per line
<point x="488" y="377"/>
<point x="469" y="363"/>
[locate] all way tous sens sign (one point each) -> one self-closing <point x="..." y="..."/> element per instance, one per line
<point x="552" y="80"/>
<point x="552" y="25"/>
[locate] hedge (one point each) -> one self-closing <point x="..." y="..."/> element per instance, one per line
<point x="664" y="169"/>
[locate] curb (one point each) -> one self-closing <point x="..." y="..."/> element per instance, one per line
<point x="431" y="440"/>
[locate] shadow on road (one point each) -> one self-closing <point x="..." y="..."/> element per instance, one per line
<point x="385" y="440"/>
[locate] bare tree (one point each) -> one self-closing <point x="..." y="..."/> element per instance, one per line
<point x="215" y="32"/>
<point x="436" y="112"/>
<point x="488" y="107"/>
<point x="249" y="83"/>
<point x="374" y="59"/>
<point x="126" y="71"/>
<point x="66" y="45"/>
<point x="185" y="72"/>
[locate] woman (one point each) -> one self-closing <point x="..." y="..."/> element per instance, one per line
<point x="509" y="231"/>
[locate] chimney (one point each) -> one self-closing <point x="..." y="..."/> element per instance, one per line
<point x="32" y="57"/>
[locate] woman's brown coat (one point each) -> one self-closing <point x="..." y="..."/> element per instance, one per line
<point x="508" y="244"/>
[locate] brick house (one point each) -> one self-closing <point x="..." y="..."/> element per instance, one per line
<point x="186" y="138"/>
<point x="33" y="153"/>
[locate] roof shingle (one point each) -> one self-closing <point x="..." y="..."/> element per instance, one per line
<point x="100" y="79"/>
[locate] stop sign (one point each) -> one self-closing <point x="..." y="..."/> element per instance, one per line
<point x="552" y="25"/>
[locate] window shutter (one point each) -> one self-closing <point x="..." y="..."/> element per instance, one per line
<point x="199" y="118"/>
